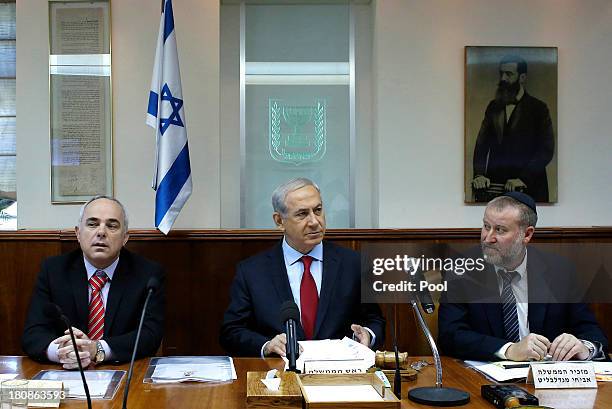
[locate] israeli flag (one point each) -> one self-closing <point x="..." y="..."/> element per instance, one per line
<point x="172" y="175"/>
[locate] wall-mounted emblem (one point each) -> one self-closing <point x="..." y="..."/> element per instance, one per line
<point x="298" y="134"/>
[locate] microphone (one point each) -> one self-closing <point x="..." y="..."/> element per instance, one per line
<point x="397" y="376"/>
<point x="152" y="286"/>
<point x="424" y="295"/>
<point x="54" y="312"/>
<point x="438" y="395"/>
<point x="290" y="315"/>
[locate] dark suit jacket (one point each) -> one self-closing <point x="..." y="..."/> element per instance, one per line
<point x="519" y="149"/>
<point x="63" y="280"/>
<point x="475" y="330"/>
<point x="261" y="285"/>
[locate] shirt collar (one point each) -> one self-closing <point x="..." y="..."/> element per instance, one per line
<point x="521" y="269"/>
<point x="292" y="255"/>
<point x="91" y="269"/>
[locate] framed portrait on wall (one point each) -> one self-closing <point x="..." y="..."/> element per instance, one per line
<point x="510" y="122"/>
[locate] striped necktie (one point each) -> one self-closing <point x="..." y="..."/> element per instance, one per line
<point x="95" y="326"/>
<point x="511" y="324"/>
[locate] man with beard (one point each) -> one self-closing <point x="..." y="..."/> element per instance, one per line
<point x="520" y="306"/>
<point x="515" y="141"/>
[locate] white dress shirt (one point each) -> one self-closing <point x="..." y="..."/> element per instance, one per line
<point x="91" y="270"/>
<point x="510" y="107"/>
<point x="521" y="292"/>
<point x="295" y="268"/>
<point x="520" y="289"/>
<point x="295" y="271"/>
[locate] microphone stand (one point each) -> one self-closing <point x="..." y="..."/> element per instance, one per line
<point x="397" y="376"/>
<point x="78" y="359"/>
<point x="438" y="395"/>
<point x="131" y="370"/>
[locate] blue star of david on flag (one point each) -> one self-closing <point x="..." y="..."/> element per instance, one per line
<point x="176" y="104"/>
<point x="166" y="114"/>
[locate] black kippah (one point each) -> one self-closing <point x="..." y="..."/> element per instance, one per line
<point x="523" y="198"/>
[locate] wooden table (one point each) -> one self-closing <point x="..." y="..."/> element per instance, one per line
<point x="232" y="395"/>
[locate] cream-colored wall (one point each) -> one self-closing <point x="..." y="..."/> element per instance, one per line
<point x="135" y="24"/>
<point x="417" y="119"/>
<point x="419" y="66"/>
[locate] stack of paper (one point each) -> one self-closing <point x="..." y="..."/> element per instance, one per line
<point x="335" y="351"/>
<point x="196" y="368"/>
<point x="603" y="371"/>
<point x="497" y="372"/>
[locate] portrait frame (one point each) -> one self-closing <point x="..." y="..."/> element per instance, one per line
<point x="508" y="140"/>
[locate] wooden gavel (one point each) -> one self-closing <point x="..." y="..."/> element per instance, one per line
<point x="386" y="360"/>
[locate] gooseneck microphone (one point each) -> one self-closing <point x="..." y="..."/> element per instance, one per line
<point x="397" y="376"/>
<point x="290" y="316"/>
<point x="54" y="312"/>
<point x="152" y="286"/>
<point x="424" y="295"/>
<point x="436" y="395"/>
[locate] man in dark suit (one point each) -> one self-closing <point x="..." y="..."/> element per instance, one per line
<point x="491" y="314"/>
<point x="101" y="288"/>
<point x="323" y="279"/>
<point x="515" y="141"/>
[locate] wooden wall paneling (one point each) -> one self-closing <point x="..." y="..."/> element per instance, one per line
<point x="200" y="267"/>
<point x="20" y="258"/>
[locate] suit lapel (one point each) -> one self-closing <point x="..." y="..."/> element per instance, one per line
<point x="120" y="282"/>
<point x="330" y="273"/>
<point x="493" y="306"/>
<point x="280" y="280"/>
<point x="495" y="315"/>
<point x="538" y="291"/>
<point x="80" y="286"/>
<point x="516" y="114"/>
<point x="500" y="124"/>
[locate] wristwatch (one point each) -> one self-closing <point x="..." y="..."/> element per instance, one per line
<point x="100" y="353"/>
<point x="591" y="347"/>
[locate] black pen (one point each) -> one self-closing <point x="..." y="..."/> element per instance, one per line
<point x="513" y="366"/>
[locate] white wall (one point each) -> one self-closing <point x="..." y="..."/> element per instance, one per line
<point x="419" y="66"/>
<point x="417" y="118"/>
<point x="135" y="24"/>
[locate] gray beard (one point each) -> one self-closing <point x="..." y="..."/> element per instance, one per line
<point x="507" y="261"/>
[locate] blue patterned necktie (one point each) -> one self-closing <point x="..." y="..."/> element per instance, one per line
<point x="511" y="324"/>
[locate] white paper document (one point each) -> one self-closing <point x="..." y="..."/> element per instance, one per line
<point x="335" y="351"/>
<point x="8" y="376"/>
<point x="102" y="384"/>
<point x="497" y="372"/>
<point x="342" y="393"/>
<point x="199" y="369"/>
<point x="97" y="388"/>
<point x="602" y="368"/>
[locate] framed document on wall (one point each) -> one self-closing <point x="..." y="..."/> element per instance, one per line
<point x="80" y="100"/>
<point x="510" y="122"/>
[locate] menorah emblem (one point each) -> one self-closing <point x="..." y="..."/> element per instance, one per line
<point x="297" y="132"/>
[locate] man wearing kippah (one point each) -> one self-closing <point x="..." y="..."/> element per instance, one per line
<point x="503" y="322"/>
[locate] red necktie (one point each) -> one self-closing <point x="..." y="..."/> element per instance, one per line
<point x="95" y="326"/>
<point x="309" y="299"/>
